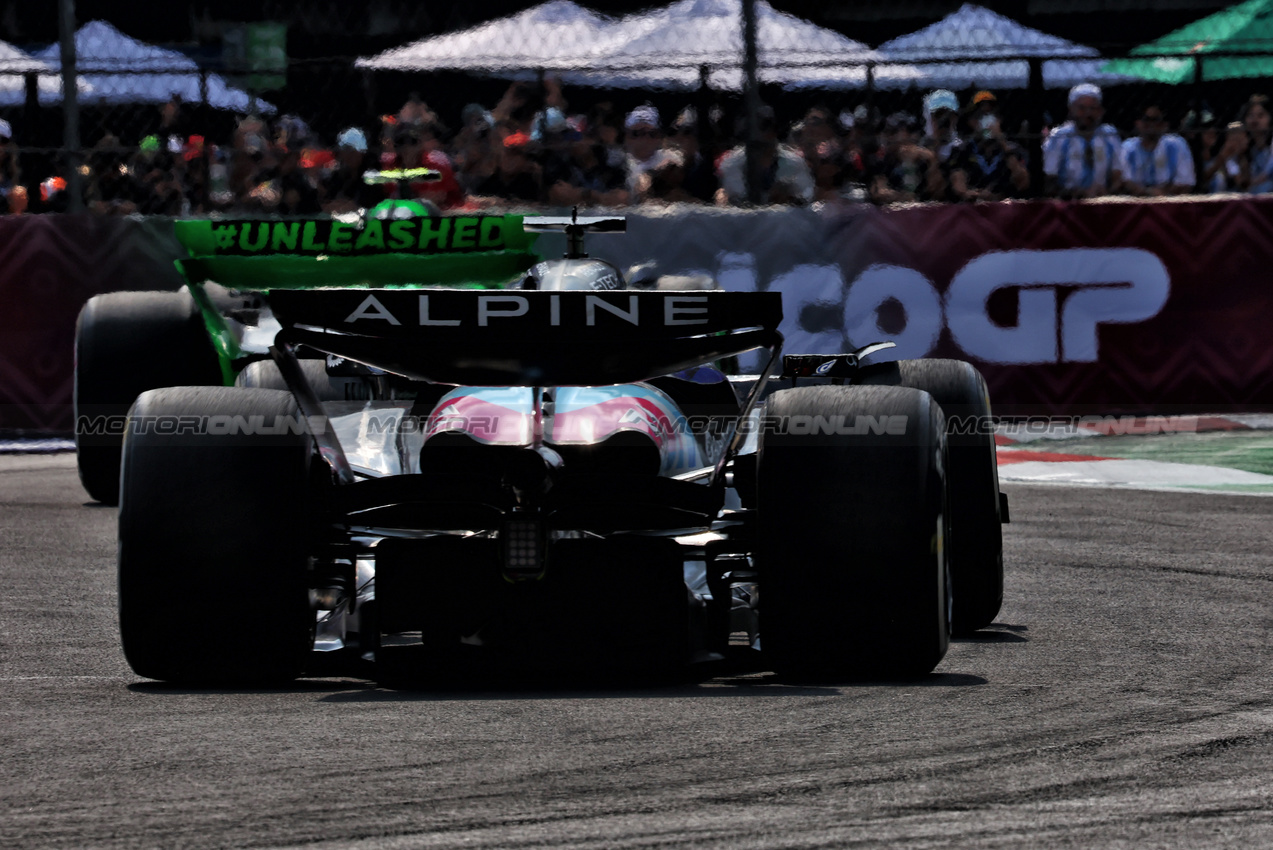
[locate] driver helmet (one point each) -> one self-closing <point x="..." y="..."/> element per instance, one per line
<point x="586" y="275"/>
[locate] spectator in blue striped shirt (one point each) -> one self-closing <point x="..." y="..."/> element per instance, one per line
<point x="1158" y="162"/>
<point x="1083" y="158"/>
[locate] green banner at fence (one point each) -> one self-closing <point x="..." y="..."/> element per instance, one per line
<point x="257" y="54"/>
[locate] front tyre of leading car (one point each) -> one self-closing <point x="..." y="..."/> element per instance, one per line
<point x="851" y="537"/>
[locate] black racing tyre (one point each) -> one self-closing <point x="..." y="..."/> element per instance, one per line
<point x="213" y="532"/>
<point x="127" y="343"/>
<point x="851" y="533"/>
<point x="976" y="535"/>
<point x="265" y="374"/>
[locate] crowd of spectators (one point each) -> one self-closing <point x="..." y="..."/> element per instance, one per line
<point x="530" y="150"/>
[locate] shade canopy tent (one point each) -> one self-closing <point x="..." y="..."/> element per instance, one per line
<point x="1234" y="43"/>
<point x="16" y="64"/>
<point x="552" y="36"/>
<point x="669" y="47"/>
<point x="664" y="48"/>
<point x="121" y="69"/>
<point x="988" y="50"/>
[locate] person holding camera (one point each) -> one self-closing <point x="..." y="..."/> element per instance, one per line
<point x="1229" y="170"/>
<point x="987" y="166"/>
<point x="907" y="172"/>
<point x="1256" y="118"/>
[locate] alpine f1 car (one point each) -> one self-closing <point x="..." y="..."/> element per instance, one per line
<point x="412" y="445"/>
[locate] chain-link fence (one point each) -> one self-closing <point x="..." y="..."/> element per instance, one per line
<point x="574" y="114"/>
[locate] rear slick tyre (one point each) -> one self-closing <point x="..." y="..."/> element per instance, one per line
<point x="851" y="534"/>
<point x="213" y="531"/>
<point x="127" y="343"/>
<point x="976" y="541"/>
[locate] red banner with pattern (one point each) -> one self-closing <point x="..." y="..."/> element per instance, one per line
<point x="49" y="266"/>
<point x="1076" y="307"/>
<point x="1067" y="308"/>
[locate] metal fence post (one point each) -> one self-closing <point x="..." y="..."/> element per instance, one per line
<point x="33" y="165"/>
<point x="751" y="102"/>
<point x="371" y="117"/>
<point x="70" y="106"/>
<point x="1034" y="154"/>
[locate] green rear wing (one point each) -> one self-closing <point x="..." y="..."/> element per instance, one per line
<point x="477" y="252"/>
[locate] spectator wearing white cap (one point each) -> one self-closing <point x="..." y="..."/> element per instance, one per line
<point x="643" y="139"/>
<point x="344" y="190"/>
<point x="1158" y="163"/>
<point x="941" y="125"/>
<point x="1083" y="158"/>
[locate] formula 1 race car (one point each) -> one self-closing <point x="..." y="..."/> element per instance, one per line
<point x="411" y="446"/>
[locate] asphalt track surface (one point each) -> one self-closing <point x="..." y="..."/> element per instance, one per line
<point x="1123" y="699"/>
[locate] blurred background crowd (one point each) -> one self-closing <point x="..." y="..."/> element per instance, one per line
<point x="530" y="149"/>
<point x="539" y="143"/>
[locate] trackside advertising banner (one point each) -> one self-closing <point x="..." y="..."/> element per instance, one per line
<point x="1067" y="308"/>
<point x="49" y="266"/>
<point x="1075" y="308"/>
